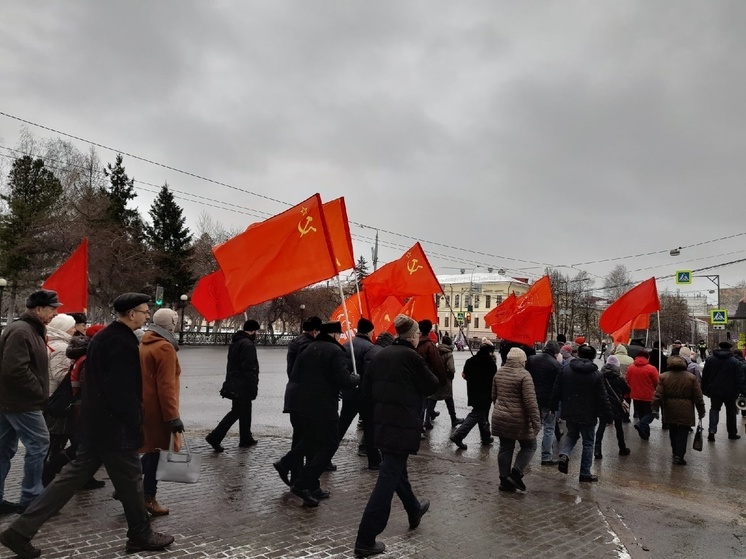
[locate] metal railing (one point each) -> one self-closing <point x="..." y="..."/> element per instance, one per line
<point x="224" y="338"/>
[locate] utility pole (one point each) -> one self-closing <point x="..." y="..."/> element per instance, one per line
<point x="374" y="253"/>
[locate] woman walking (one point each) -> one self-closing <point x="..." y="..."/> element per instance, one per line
<point x="515" y="417"/>
<point x="678" y="393"/>
<point x="617" y="390"/>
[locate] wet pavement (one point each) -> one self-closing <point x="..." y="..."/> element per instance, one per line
<point x="642" y="507"/>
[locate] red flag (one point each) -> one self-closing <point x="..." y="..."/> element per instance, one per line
<point x="384" y="314"/>
<point x="408" y="276"/>
<point x="278" y="256"/>
<point x="211" y="298"/>
<point x="421" y="307"/>
<point x="70" y="281"/>
<point x="354" y="312"/>
<point x="335" y="213"/>
<point x="623" y="335"/>
<point x="642" y="299"/>
<point x="529" y="320"/>
<point x="501" y="312"/>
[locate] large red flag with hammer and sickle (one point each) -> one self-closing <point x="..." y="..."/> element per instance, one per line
<point x="278" y="256"/>
<point x="408" y="276"/>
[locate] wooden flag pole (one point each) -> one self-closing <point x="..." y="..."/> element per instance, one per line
<point x="660" y="349"/>
<point x="347" y="321"/>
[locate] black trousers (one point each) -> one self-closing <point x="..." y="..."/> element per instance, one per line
<point x="241" y="412"/>
<point x="125" y="472"/>
<point x="678" y="435"/>
<point x="299" y="450"/>
<point x="392" y="479"/>
<point x="731" y="414"/>
<point x="618" y="425"/>
<point x="321" y="438"/>
<point x="351" y="408"/>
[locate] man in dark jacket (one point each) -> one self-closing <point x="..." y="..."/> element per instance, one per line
<point x="544" y="368"/>
<point x="581" y="390"/>
<point x="657" y="359"/>
<point x="311" y="327"/>
<point x="479" y="371"/>
<point x="110" y="424"/>
<point x="398" y="380"/>
<point x="429" y="352"/>
<point x="24" y="390"/>
<point x="353" y="402"/>
<point x="311" y="397"/>
<point x="723" y="380"/>
<point x="241" y="386"/>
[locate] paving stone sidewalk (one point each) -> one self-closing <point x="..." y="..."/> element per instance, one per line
<point x="241" y="509"/>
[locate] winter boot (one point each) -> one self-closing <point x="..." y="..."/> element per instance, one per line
<point x="153" y="507"/>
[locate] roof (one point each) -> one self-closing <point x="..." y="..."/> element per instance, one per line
<point x="477" y="278"/>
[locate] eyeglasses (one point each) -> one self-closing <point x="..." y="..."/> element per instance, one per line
<point x="143" y="312"/>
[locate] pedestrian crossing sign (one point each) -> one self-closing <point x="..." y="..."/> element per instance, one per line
<point x="718" y="316"/>
<point x="683" y="277"/>
<point x="459" y="316"/>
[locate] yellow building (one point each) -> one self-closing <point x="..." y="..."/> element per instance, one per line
<point x="483" y="291"/>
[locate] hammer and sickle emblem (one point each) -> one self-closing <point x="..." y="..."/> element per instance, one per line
<point x="306" y="227"/>
<point x="412" y="266"/>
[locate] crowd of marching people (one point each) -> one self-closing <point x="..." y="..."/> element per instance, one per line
<point x="79" y="397"/>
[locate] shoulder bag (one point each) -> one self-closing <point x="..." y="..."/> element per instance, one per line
<point x="622" y="402"/>
<point x="697" y="444"/>
<point x="181" y="467"/>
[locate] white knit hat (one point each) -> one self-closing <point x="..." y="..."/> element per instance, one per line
<point x="62" y="322"/>
<point x="406" y="328"/>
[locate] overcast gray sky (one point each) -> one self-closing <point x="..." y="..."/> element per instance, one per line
<point x="563" y="133"/>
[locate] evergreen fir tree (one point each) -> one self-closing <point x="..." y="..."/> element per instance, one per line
<point x="361" y="271"/>
<point x="120" y="191"/>
<point x="171" y="243"/>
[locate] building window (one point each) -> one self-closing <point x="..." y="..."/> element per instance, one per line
<point x="487" y="301"/>
<point x="438" y="321"/>
<point x="476" y="322"/>
<point x="476" y="301"/>
<point x="498" y="299"/>
<point x="445" y="322"/>
<point x="437" y="301"/>
<point x="456" y="301"/>
<point x="448" y="300"/>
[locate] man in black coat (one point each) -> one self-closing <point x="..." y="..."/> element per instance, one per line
<point x="353" y="402"/>
<point x="311" y="398"/>
<point x="581" y="390"/>
<point x="241" y="386"/>
<point x="479" y="371"/>
<point x="398" y="380"/>
<point x="311" y="327"/>
<point x="544" y="368"/>
<point x="722" y="381"/>
<point x="110" y="434"/>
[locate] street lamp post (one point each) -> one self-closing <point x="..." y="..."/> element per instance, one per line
<point x="184" y="299"/>
<point x="302" y="309"/>
<point x="3" y="283"/>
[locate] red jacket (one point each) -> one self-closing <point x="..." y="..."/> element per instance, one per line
<point x="642" y="378"/>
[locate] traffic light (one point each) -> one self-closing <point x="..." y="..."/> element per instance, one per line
<point x="159" y="295"/>
<point x="468" y="318"/>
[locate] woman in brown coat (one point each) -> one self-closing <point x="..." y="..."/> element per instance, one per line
<point x="515" y="417"/>
<point x="160" y="399"/>
<point x="678" y="393"/>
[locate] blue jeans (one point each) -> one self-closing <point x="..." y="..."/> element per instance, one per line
<point x="31" y="429"/>
<point x="547" y="420"/>
<point x="574" y="432"/>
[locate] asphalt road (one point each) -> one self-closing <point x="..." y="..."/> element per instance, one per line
<point x="656" y="509"/>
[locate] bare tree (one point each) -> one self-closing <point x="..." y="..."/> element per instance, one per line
<point x="617" y="282"/>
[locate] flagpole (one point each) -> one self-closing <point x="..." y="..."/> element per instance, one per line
<point x="359" y="300"/>
<point x="660" y="350"/>
<point x="347" y="321"/>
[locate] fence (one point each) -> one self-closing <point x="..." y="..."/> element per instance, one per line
<point x="224" y="338"/>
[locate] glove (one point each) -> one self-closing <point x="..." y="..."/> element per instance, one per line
<point x="177" y="426"/>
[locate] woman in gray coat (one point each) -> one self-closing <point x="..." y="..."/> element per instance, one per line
<point x="515" y="417"/>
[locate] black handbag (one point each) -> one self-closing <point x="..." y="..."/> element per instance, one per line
<point x="698" y="443"/>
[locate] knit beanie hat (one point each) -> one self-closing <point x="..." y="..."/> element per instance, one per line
<point x="517" y="354"/>
<point x="586" y="351"/>
<point x="406" y="327"/>
<point x="62" y="322"/>
<point x="685" y="352"/>
<point x="94" y="329"/>
<point x="613" y="360"/>
<point x="486" y="341"/>
<point x="167" y="319"/>
<point x="364" y="326"/>
<point x="385" y="339"/>
<point x="552" y="347"/>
